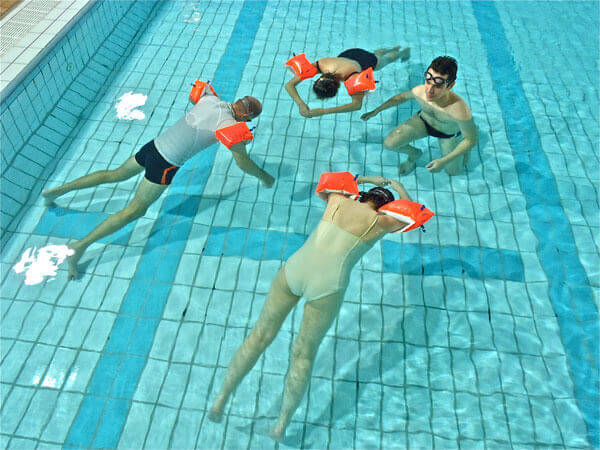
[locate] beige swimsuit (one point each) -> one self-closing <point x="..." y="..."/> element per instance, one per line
<point x="322" y="266"/>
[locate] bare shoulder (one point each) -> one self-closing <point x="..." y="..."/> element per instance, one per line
<point x="459" y="110"/>
<point x="328" y="64"/>
<point x="418" y="91"/>
<point x="390" y="224"/>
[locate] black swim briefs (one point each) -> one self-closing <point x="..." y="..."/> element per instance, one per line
<point x="364" y="58"/>
<point x="436" y="133"/>
<point x="158" y="169"/>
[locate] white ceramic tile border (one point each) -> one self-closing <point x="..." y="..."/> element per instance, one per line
<point x="26" y="52"/>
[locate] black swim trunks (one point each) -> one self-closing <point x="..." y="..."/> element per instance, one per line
<point x="158" y="169"/>
<point x="435" y="133"/>
<point x="364" y="58"/>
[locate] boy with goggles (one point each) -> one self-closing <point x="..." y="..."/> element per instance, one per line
<point x="444" y="115"/>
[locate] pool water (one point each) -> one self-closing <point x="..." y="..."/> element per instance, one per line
<point x="481" y="332"/>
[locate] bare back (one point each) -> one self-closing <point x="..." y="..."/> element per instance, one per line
<point x="341" y="67"/>
<point x="356" y="218"/>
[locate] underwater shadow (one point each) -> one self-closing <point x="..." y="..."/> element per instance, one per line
<point x="328" y="414"/>
<point x="303" y="193"/>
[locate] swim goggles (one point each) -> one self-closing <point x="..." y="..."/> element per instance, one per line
<point x="437" y="81"/>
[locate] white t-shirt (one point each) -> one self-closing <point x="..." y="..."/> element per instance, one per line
<point x="196" y="130"/>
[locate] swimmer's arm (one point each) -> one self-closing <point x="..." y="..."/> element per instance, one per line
<point x="397" y="186"/>
<point x="469" y="131"/>
<point x="355" y="105"/>
<point x="379" y="181"/>
<point x="290" y="87"/>
<point x="396" y="100"/>
<point x="244" y="162"/>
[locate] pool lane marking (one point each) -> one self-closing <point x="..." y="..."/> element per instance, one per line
<point x="416" y="259"/>
<point x="103" y="411"/>
<point x="569" y="287"/>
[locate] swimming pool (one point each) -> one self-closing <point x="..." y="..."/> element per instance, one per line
<point x="481" y="332"/>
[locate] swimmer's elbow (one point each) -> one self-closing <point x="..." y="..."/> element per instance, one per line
<point x="293" y="82"/>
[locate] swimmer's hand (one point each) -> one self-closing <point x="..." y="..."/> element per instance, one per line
<point x="368" y="115"/>
<point x="435" y="166"/>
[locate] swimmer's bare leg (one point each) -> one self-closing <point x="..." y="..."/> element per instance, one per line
<point x="278" y="305"/>
<point x="146" y="194"/>
<point x="398" y="140"/>
<point x="127" y="170"/>
<point x="316" y="320"/>
<point x="456" y="165"/>
<point x="389" y="55"/>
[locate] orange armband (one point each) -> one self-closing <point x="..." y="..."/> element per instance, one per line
<point x="198" y="89"/>
<point x="360" y="82"/>
<point x="234" y="134"/>
<point x="412" y="213"/>
<point x="301" y="66"/>
<point x="338" y="182"/>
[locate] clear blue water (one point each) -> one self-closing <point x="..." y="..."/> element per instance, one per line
<point x="480" y="333"/>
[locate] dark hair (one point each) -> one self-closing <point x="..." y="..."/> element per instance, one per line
<point x="377" y="195"/>
<point x="326" y="86"/>
<point x="445" y="65"/>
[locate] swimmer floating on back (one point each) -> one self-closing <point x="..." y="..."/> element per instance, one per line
<point x="319" y="271"/>
<point x="444" y="115"/>
<point x="161" y="158"/>
<point x="336" y="70"/>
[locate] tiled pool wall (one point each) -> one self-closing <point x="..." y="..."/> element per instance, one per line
<point x="39" y="117"/>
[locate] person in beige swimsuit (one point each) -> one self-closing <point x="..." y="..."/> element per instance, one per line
<point x="319" y="271"/>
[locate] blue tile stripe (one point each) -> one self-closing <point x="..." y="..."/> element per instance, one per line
<point x="410" y="259"/>
<point x="73" y="224"/>
<point x="103" y="411"/>
<point x="570" y="290"/>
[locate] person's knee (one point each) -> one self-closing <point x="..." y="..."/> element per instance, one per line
<point x="390" y="142"/>
<point x="454" y="169"/>
<point x="263" y="337"/>
<point x="303" y="358"/>
<point x="135" y="210"/>
<point x="304" y="350"/>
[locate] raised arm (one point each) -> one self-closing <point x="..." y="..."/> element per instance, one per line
<point x="397" y="186"/>
<point x="244" y="162"/>
<point x="379" y="181"/>
<point x="396" y="100"/>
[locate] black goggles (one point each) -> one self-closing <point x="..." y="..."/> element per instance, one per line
<point x="437" y="81"/>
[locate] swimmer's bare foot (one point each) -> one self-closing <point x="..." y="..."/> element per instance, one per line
<point x="405" y="54"/>
<point x="409" y="165"/>
<point x="49" y="197"/>
<point x="74" y="259"/>
<point x="277" y="432"/>
<point x="216" y="411"/>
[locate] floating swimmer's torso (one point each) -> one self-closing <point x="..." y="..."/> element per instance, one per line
<point x="323" y="264"/>
<point x="196" y="130"/>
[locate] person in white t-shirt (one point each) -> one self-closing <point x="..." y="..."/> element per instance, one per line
<point x="161" y="158"/>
